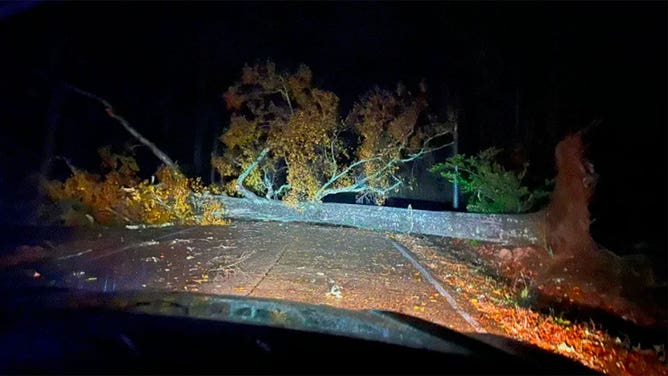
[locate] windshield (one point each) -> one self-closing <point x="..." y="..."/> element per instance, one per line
<point x="491" y="168"/>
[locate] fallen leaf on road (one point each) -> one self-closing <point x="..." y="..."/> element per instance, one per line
<point x="335" y="291"/>
<point x="148" y="243"/>
<point x="564" y="347"/>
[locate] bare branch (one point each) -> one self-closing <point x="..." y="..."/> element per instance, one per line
<point x="335" y="164"/>
<point x="282" y="188"/>
<point x="233" y="266"/>
<point x="68" y="163"/>
<point x="240" y="180"/>
<point x="284" y="93"/>
<point x="268" y="184"/>
<point x="361" y="185"/>
<point x="110" y="111"/>
<point x="424" y="150"/>
<point x="343" y="173"/>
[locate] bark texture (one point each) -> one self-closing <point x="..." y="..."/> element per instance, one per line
<point x="519" y="229"/>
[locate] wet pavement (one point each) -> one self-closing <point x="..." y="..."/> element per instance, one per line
<point x="337" y="266"/>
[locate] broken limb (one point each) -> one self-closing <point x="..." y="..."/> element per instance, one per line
<point x="110" y="111"/>
<point x="240" y="180"/>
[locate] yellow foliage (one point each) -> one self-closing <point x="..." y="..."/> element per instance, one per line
<point x="242" y="141"/>
<point x="241" y="134"/>
<point x="212" y="214"/>
<point x="296" y="129"/>
<point x="283" y="112"/>
<point x="301" y="143"/>
<point x="224" y="167"/>
<point x="387" y="126"/>
<point x="214" y="189"/>
<point x="119" y="197"/>
<point x="233" y="101"/>
<point x="125" y="165"/>
<point x="299" y="84"/>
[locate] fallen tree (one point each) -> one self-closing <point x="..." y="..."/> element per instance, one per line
<point x="120" y="196"/>
<point x="520" y="229"/>
<point x="287" y="149"/>
<point x="286" y="140"/>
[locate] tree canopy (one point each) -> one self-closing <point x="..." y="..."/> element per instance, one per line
<point x="287" y="140"/>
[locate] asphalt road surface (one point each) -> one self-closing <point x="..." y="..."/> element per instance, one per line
<point x="342" y="267"/>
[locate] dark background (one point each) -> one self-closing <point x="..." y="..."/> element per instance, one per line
<point x="522" y="76"/>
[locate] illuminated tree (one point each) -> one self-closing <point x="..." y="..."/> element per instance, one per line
<point x="287" y="141"/>
<point x="121" y="197"/>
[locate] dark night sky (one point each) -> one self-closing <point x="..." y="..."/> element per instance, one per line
<point x="165" y="65"/>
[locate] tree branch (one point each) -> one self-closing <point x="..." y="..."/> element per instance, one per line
<point x="240" y="180"/>
<point x="424" y="150"/>
<point x="110" y="111"/>
<point x="269" y="185"/>
<point x="361" y="185"/>
<point x="284" y="93"/>
<point x="281" y="189"/>
<point x="67" y="162"/>
<point x="343" y="173"/>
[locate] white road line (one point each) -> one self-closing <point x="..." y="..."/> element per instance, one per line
<point x="439" y="288"/>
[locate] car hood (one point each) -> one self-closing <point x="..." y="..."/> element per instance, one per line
<point x="371" y="325"/>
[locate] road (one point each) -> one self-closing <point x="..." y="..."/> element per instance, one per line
<point x="342" y="267"/>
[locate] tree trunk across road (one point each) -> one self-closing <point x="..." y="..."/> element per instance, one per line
<point x="517" y="229"/>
